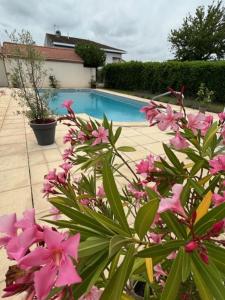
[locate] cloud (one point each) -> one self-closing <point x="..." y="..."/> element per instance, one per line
<point x="139" y="27"/>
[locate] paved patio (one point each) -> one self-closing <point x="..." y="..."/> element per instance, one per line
<point x="24" y="163"/>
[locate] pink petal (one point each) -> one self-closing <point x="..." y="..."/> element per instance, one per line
<point x="53" y="238"/>
<point x="27" y="220"/>
<point x="7" y="224"/>
<point x="36" y="258"/>
<point x="44" y="281"/>
<point x="67" y="274"/>
<point x="71" y="246"/>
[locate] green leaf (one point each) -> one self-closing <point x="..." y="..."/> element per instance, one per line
<point x="186" y="266"/>
<point x="126" y="149"/>
<point x="173" y="281"/>
<point x="161" y="250"/>
<point x="145" y="217"/>
<point x="116" y="243"/>
<point x="216" y="214"/>
<point x="197" y="166"/>
<point x="174" y="225"/>
<point x="217" y="255"/>
<point x="115" y="286"/>
<point x="197" y="187"/>
<point x="113" y="196"/>
<point x="206" y="279"/>
<point x="117" y="134"/>
<point x="92" y="245"/>
<point x="209" y="136"/>
<point x="172" y="157"/>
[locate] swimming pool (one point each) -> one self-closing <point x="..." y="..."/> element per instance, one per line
<point x="96" y="104"/>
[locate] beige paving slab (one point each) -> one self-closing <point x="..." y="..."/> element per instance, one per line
<point x="142" y="139"/>
<point x="11" y="149"/>
<point x="12" y="132"/>
<point x="140" y="153"/>
<point x="13" y="161"/>
<point x="52" y="155"/>
<point x="155" y="148"/>
<point x="38" y="172"/>
<point x="40" y="204"/>
<point x="14" y="179"/>
<point x="14" y="139"/>
<point x="36" y="157"/>
<point x="16" y="200"/>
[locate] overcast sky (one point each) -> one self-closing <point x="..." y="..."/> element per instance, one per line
<point x="140" y="27"/>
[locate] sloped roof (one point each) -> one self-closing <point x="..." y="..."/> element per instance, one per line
<point x="48" y="53"/>
<point x="72" y="41"/>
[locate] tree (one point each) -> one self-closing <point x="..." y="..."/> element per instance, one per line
<point x="91" y="54"/>
<point x="202" y="36"/>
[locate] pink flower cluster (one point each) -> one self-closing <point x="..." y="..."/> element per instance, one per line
<point x="217" y="164"/>
<point x="146" y="166"/>
<point x="38" y="269"/>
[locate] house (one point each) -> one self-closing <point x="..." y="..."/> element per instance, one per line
<point x="57" y="40"/>
<point x="64" y="63"/>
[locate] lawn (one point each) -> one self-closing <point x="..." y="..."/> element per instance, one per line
<point x="189" y="102"/>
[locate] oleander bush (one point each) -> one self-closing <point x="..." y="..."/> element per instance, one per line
<point x="158" y="236"/>
<point x="157" y="77"/>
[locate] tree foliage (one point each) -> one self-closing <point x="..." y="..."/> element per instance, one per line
<point x="92" y="55"/>
<point x="202" y="36"/>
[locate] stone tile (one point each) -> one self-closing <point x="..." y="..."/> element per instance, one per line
<point x="16" y="200"/>
<point x="14" y="139"/>
<point x="127" y="132"/>
<point x="55" y="165"/>
<point x="127" y="141"/>
<point x="36" y="158"/>
<point x="140" y="153"/>
<point x="155" y="148"/>
<point x="52" y="155"/>
<point x="38" y="172"/>
<point x="142" y="140"/>
<point x="14" y="179"/>
<point x="40" y="203"/>
<point x="12" y="126"/>
<point x="12" y="149"/>
<point x="13" y="132"/>
<point x="13" y="161"/>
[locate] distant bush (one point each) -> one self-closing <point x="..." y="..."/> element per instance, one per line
<point x="156" y="77"/>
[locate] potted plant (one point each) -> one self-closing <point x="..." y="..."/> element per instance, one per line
<point x="158" y="236"/>
<point x="204" y="97"/>
<point x="27" y="73"/>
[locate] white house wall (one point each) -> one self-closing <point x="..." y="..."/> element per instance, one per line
<point x="110" y="55"/>
<point x="68" y="74"/>
<point x="3" y="77"/>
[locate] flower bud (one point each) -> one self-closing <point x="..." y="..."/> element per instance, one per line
<point x="191" y="246"/>
<point x="217" y="228"/>
<point x="204" y="257"/>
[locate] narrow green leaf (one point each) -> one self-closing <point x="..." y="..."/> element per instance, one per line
<point x="92" y="245"/>
<point x="173" y="281"/>
<point x="209" y="136"/>
<point x="217" y="255"/>
<point x="197" y="166"/>
<point x="172" y="157"/>
<point x="115" y="286"/>
<point x="117" y="134"/>
<point x="113" y="196"/>
<point x="174" y="225"/>
<point x="197" y="187"/>
<point x="207" y="279"/>
<point x="116" y="243"/>
<point x="161" y="250"/>
<point x="186" y="266"/>
<point x="126" y="149"/>
<point x="145" y="217"/>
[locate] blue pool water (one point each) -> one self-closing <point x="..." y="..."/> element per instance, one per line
<point x="96" y="104"/>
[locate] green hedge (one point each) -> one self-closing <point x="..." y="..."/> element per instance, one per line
<point x="157" y="77"/>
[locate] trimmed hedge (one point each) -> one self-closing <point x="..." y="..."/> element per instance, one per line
<point x="157" y="77"/>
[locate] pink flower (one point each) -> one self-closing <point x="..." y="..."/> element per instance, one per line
<point x="179" y="142"/>
<point x="155" y="237"/>
<point x="218" y="199"/>
<point x="222" y="116"/>
<point x="173" y="204"/>
<point x="100" y="192"/>
<point x="48" y="188"/>
<point x="81" y="136"/>
<point x="223" y="133"/>
<point x="67" y="153"/>
<point x="61" y="177"/>
<point x="93" y="294"/>
<point x="101" y="136"/>
<point x="146" y="166"/>
<point x="136" y="193"/>
<point x="55" y="213"/>
<point x="51" y="175"/>
<point x="191" y="246"/>
<point x="67" y="104"/>
<point x="217" y="228"/>
<point x="172" y="255"/>
<point x="66" y="167"/>
<point x="159" y="271"/>
<point x="57" y="268"/>
<point x="67" y="138"/>
<point x="7" y="226"/>
<point x="150" y="111"/>
<point x="196" y="122"/>
<point x="169" y="119"/>
<point x="208" y="122"/>
<point x="85" y="202"/>
<point x="217" y="164"/>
